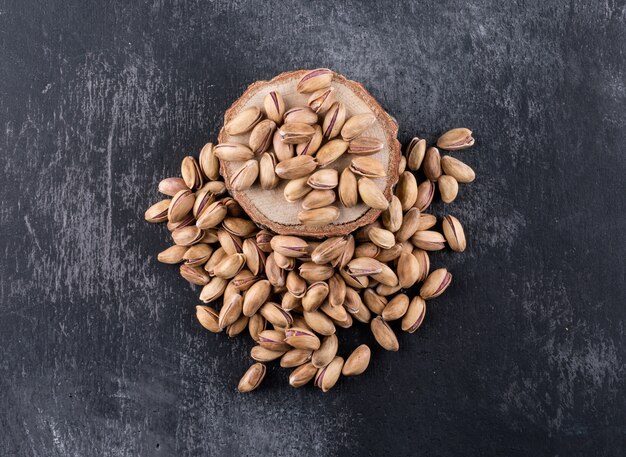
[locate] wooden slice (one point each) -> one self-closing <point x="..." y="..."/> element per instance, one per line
<point x="268" y="208"/>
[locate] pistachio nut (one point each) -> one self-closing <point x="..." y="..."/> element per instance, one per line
<point x="289" y="246"/>
<point x="256" y="325"/>
<point x="255" y="258"/>
<point x="406" y="190"/>
<point x="356" y="125"/>
<point x="396" y="308"/>
<point x="330" y="152"/>
<point x="261" y="136"/>
<point x="263" y="354"/>
<point x="302" y="375"/>
<point x="230" y="266"/>
<point x="358" y="361"/>
<point x="386" y="277"/>
<point x="368" y="166"/>
<point x="310" y="147"/>
<point x="336" y="290"/>
<point x="453" y="231"/>
<point x="321" y="100"/>
<point x="296" y="189"/>
<point x="296" y="167"/>
<point x="232" y="244"/>
<point x="296" y="132"/>
<point x="408" y="270"/>
<point x="172" y="255"/>
<point x="296" y="285"/>
<point x="319" y="216"/>
<point x="365" y="145"/>
<point x="315" y="296"/>
<point x="324" y="179"/>
<point x="295" y="358"/>
<point x="191" y="173"/>
<point x="348" y="190"/>
<point x="255" y="297"/>
<point x="313" y="272"/>
<point x="382" y="238"/>
<point x="211" y="215"/>
<point x="428" y="240"/>
<point x="252" y="378"/>
<point x="425" y="193"/>
<point x="319" y="322"/>
<point x="455" y="139"/>
<point x="171" y="186"/>
<point x="208" y="318"/>
<point x="274" y="273"/>
<point x="401" y="165"/>
<point x="218" y="255"/>
<point x="334" y="120"/>
<point x="371" y="194"/>
<point x="364" y="266"/>
<point x="274" y="105"/>
<point x="384" y="335"/>
<point x="388" y="255"/>
<point x="245" y="176"/>
<point x="436" y="283"/>
<point x="275" y="315"/>
<point x="233" y="152"/>
<point x="263" y="241"/>
<point x="231" y="311"/>
<point x="244" y="280"/>
<point x="187" y="236"/>
<point x="302" y="338"/>
<point x="273" y="340"/>
<point x="197" y="255"/>
<point x="300" y="114"/>
<point x="315" y="80"/>
<point x="243" y="121"/>
<point x="392" y="216"/>
<point x="346" y="254"/>
<point x="415" y="153"/>
<point x="284" y="262"/>
<point x="414" y="315"/>
<point x="432" y="164"/>
<point x="158" y="212"/>
<point x="458" y="170"/>
<point x="217" y="187"/>
<point x="239" y="226"/>
<point x="203" y="199"/>
<point x="329" y="249"/>
<point x="326" y="352"/>
<point x="238" y="326"/>
<point x="367" y="249"/>
<point x="282" y="150"/>
<point x="375" y="302"/>
<point x="448" y="188"/>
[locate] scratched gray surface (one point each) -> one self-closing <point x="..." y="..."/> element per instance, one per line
<point x="101" y="355"/>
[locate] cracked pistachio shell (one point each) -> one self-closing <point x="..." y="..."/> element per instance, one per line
<point x="245" y="176"/>
<point x="414" y="315"/>
<point x="252" y="378"/>
<point x="328" y="376"/>
<point x="425" y="193"/>
<point x="244" y="121"/>
<point x="273" y="340"/>
<point x="261" y="136"/>
<point x="315" y="295"/>
<point x="289" y="246"/>
<point x="255" y="258"/>
<point x="368" y="166"/>
<point x="263" y="354"/>
<point x="415" y="153"/>
<point x="357" y="362"/>
<point x="181" y="205"/>
<point x="191" y="173"/>
<point x="365" y="145"/>
<point x="311" y="146"/>
<point x="187" y="236"/>
<point x="456" y="139"/>
<point x="327" y="351"/>
<point x="274" y="105"/>
<point x="315" y="80"/>
<point x="302" y="375"/>
<point x="198" y="254"/>
<point x="231" y="311"/>
<point x="321" y="100"/>
<point x="282" y="150"/>
<point x="195" y="275"/>
<point x="212" y="215"/>
<point x="436" y="283"/>
<point x="158" y="212"/>
<point x="453" y="231"/>
<point x="382" y="238"/>
<point x="334" y="120"/>
<point x="392" y="216"/>
<point x="296" y="132"/>
<point x="329" y="249"/>
<point x="300" y="114"/>
<point x="275" y="315"/>
<point x="208" y="318"/>
<point x="324" y="179"/>
<point x="302" y="338"/>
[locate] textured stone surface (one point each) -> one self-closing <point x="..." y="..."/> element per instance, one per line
<point x="101" y="356"/>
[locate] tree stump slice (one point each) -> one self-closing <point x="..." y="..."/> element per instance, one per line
<point x="268" y="208"/>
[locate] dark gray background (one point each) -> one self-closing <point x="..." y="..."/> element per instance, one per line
<point x="101" y="354"/>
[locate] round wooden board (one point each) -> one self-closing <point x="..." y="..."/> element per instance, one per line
<point x="268" y="208"/>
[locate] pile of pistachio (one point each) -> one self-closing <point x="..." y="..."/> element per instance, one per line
<point x="292" y="294"/>
<point x="304" y="142"/>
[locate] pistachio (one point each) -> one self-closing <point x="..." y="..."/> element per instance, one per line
<point x="327" y="351"/>
<point x="171" y="186"/>
<point x="428" y="240"/>
<point x="187" y="236"/>
<point x="401" y="165"/>
<point x="302" y="375"/>
<point x="172" y="255"/>
<point x="414" y="315"/>
<point x="426" y="221"/>
<point x="337" y="314"/>
<point x="300" y="114"/>
<point x="406" y="190"/>
<point x="230" y="266"/>
<point x="375" y="302"/>
<point x="356" y="125"/>
<point x="255" y="258"/>
<point x="321" y="100"/>
<point x="371" y="194"/>
<point x="290" y="246"/>
<point x="217" y="256"/>
<point x="231" y="243"/>
<point x="337" y="291"/>
<point x="211" y="215"/>
<point x="158" y="211"/>
<point x="432" y="164"/>
<point x="368" y="166"/>
<point x="256" y="325"/>
<point x="364" y="266"/>
<point x="448" y="188"/>
<point x="384" y="335"/>
<point x="458" y="170"/>
<point x="314" y="296"/>
<point x="274" y="314"/>
<point x="273" y="340"/>
<point x="197" y="254"/>
<point x="357" y="362"/>
<point x="396" y="308"/>
<point x="255" y="297"/>
<point x="408" y="270"/>
<point x="357" y="282"/>
<point x="330" y="152"/>
<point x="245" y="176"/>
<point x="318" y="199"/>
<point x="203" y="199"/>
<point x="367" y="249"/>
<point x="365" y="145"/>
<point x="319" y="322"/>
<point x="425" y="193"/>
<point x="231" y="311"/>
<point x="436" y="283"/>
<point x="284" y="262"/>
<point x="302" y="338"/>
<point x="244" y="280"/>
<point x="328" y="376"/>
<point x="348" y="190"/>
<point x="319" y="216"/>
<point x="296" y="189"/>
<point x="296" y="167"/>
<point x="216" y="187"/>
<point x="313" y="272"/>
<point x="346" y="254"/>
<point x="310" y="147"/>
<point x="263" y="241"/>
<point x="208" y="318"/>
<point x="273" y="272"/>
<point x="415" y="153"/>
<point x="324" y="179"/>
<point x="194" y="275"/>
<point x="315" y="80"/>
<point x="334" y="120"/>
<point x="386" y="277"/>
<point x="295" y="284"/>
<point x="181" y="205"/>
<point x="243" y="121"/>
<point x="295" y="358"/>
<point x="263" y="354"/>
<point x="261" y="136"/>
<point x="282" y="150"/>
<point x="290" y="302"/>
<point x="296" y="132"/>
<point x="209" y="236"/>
<point x="382" y="238"/>
<point x="455" y="139"/>
<point x="252" y="378"/>
<point x="388" y="255"/>
<point x="392" y="216"/>
<point x="191" y="173"/>
<point x="238" y="326"/>
<point x="453" y="231"/>
<point x="274" y="105"/>
<point x="329" y="249"/>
